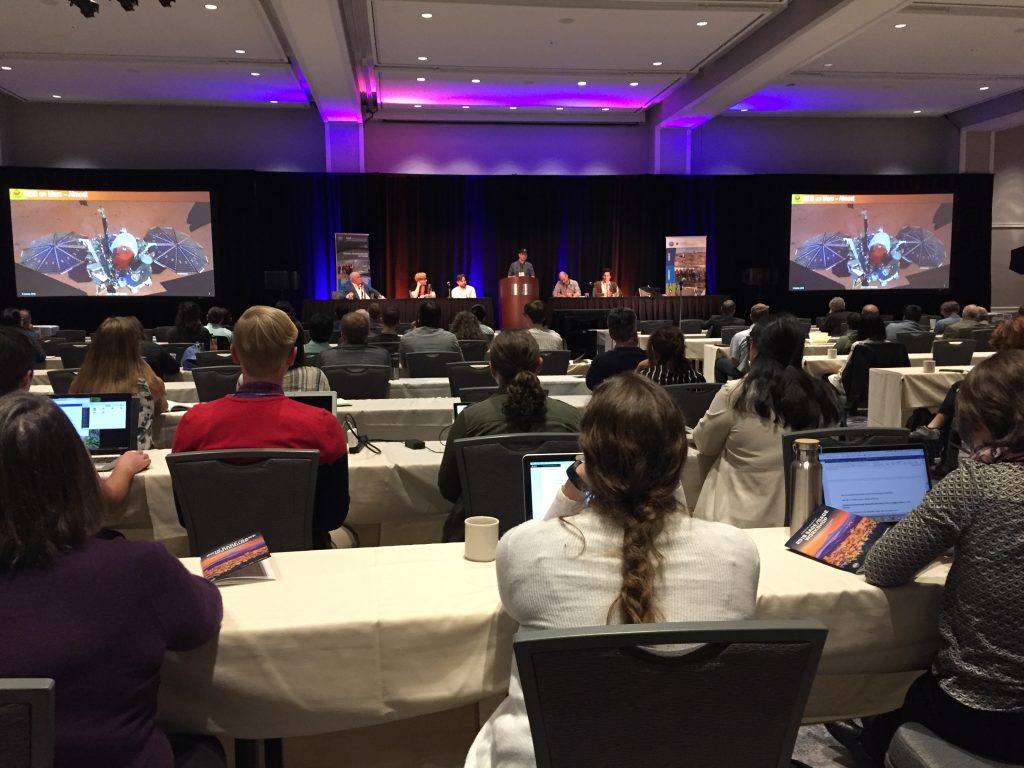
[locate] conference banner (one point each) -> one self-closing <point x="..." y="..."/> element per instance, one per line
<point x="351" y="254"/>
<point x="686" y="265"/>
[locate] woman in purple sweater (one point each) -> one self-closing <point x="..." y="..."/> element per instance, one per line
<point x="96" y="615"/>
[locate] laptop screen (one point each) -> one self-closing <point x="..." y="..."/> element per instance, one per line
<point x="883" y="483"/>
<point x="326" y="400"/>
<point x="543" y="475"/>
<point x="459" y="408"/>
<point x="104" y="422"/>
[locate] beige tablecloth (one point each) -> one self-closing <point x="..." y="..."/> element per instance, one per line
<point x="820" y="366"/>
<point x="604" y="341"/>
<point x="713" y="351"/>
<point x="351" y="638"/>
<point x="893" y="393"/>
<point x="176" y="391"/>
<point x="438" y="387"/>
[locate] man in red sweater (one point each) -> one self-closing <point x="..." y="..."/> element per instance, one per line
<point x="258" y="415"/>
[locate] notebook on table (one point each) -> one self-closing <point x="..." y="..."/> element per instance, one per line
<point x="543" y="475"/>
<point x="107" y="424"/>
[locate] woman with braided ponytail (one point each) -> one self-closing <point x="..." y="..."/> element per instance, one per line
<point x="624" y="551"/>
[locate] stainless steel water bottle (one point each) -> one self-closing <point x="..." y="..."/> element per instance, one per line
<point x="805" y="480"/>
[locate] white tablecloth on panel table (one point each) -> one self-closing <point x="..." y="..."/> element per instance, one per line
<point x="894" y="393"/>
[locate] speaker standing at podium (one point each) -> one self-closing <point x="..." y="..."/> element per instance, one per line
<point x="521" y="267"/>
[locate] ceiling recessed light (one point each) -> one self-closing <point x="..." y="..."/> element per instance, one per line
<point x="983" y="88"/>
<point x="273" y="101"/>
<point x="210" y="7"/>
<point x="417" y="106"/>
<point x="5" y="68"/>
<point x="254" y="74"/>
<point x="239" y="50"/>
<point x="656" y="63"/>
<point x="605" y="109"/>
<point x="56" y="95"/>
<point x="917" y="111"/>
<point x="427" y="15"/>
<point x="633" y="84"/>
<point x="513" y="107"/>
<point x="899" y="26"/>
<point x="465" y="107"/>
<point x="702" y="23"/>
<point x="744" y="109"/>
<point x="559" y="109"/>
<point x="421" y="79"/>
<point x="828" y="65"/>
<point x="582" y="82"/>
<point x="422" y="58"/>
<point x="475" y="80"/>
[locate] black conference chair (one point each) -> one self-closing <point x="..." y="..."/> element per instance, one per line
<point x="206" y="359"/>
<point x="359" y="382"/>
<point x="691" y="326"/>
<point x="72" y="354"/>
<point x="953" y="352"/>
<point x="216" y="381"/>
<point x="916" y="342"/>
<point x="555" y="362"/>
<point x="864" y="357"/>
<point x="729" y="331"/>
<point x="982" y="337"/>
<point x="805" y="322"/>
<point x="163" y="332"/>
<point x="491" y="471"/>
<point x="60" y="379"/>
<point x="476" y="394"/>
<point x="648" y="327"/>
<point x="735" y="700"/>
<point x="693" y="399"/>
<point x="474" y="350"/>
<point x="462" y="375"/>
<point x="27" y="730"/>
<point x="72" y="335"/>
<point x="51" y="345"/>
<point x="915" y="746"/>
<point x="390" y="346"/>
<point x="838" y="437"/>
<point x="425" y="365"/>
<point x="224" y="495"/>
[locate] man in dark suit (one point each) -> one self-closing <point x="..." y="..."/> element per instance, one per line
<point x="359" y="289"/>
<point x="625" y="354"/>
<point x="727" y="317"/>
<point x="836" y="317"/>
<point x="353" y="350"/>
<point x="606" y="287"/>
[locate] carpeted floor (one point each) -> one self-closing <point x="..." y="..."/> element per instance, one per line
<point x="816" y="748"/>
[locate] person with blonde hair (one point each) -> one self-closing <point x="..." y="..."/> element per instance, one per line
<point x="421" y="289"/>
<point x="113" y="364"/>
<point x="258" y="415"/>
<point x="621" y="550"/>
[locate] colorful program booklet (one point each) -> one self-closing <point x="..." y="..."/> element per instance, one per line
<point x="245" y="558"/>
<point x="837" y="538"/>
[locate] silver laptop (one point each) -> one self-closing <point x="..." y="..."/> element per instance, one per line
<point x="326" y="400"/>
<point x="543" y="475"/>
<point x="882" y="482"/>
<point x="107" y="424"/>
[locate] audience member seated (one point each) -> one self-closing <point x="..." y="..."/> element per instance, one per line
<point x="623" y="552"/>
<point x="625" y="354"/>
<point x="481" y="314"/>
<point x="428" y="335"/>
<point x="547" y="340"/>
<point x="96" y="614"/>
<point x="466" y="327"/>
<point x="11" y="318"/>
<point x="911" y="323"/>
<point x="845" y="343"/>
<point x="218" y="323"/>
<point x="666" y="361"/>
<point x="738" y="361"/>
<point x="389" y="326"/>
<point x="950" y="311"/>
<point x="744" y="425"/>
<point x="520" y="405"/>
<point x="260" y="416"/>
<point x="188" y="328"/>
<point x="26" y="322"/>
<point x="320" y="329"/>
<point x="301" y="377"/>
<point x="163" y="363"/>
<point x="727" y="316"/>
<point x="353" y="350"/>
<point x="342" y="309"/>
<point x="871" y="331"/>
<point x="374" y="311"/>
<point x="113" y="364"/>
<point x="837" y="315"/>
<point x="973" y="694"/>
<point x="974" y="317"/>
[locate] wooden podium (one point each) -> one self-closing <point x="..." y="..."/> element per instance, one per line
<point x="516" y="293"/>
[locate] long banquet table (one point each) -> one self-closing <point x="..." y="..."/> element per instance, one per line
<point x="894" y="393"/>
<point x="344" y="639"/>
<point x="646" y="307"/>
<point x="408" y="309"/>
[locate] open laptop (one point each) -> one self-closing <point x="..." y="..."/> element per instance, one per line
<point x="107" y="424"/>
<point x="326" y="400"/>
<point x="882" y="482"/>
<point x="459" y="408"/>
<point x="543" y="475"/>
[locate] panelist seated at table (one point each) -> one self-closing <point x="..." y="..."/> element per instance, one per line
<point x="428" y="335"/>
<point x="606" y="287"/>
<point x="260" y="416"/>
<point x="16" y="358"/>
<point x="521" y="267"/>
<point x="973" y="694"/>
<point x="520" y="405"/>
<point x="95" y="613"/>
<point x="358" y="288"/>
<point x="353" y="349"/>
<point x="546" y="339"/>
<point x="625" y="354"/>
<point x="462" y="289"/>
<point x="566" y="288"/>
<point x="743" y="428"/>
<point x="421" y="289"/>
<point x="626" y="553"/>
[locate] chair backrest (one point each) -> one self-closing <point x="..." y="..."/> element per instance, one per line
<point x="650" y="326"/>
<point x="736" y="700"/>
<point x="163" y="332"/>
<point x="425" y="365"/>
<point x="491" y="471"/>
<point x="953" y="352"/>
<point x="694" y="399"/>
<point x="390" y="346"/>
<point x="216" y="381"/>
<point x="177" y="349"/>
<point x="72" y="354"/>
<point x="691" y="326"/>
<point x="473" y="349"/>
<point x="805" y="322"/>
<point x="981" y="337"/>
<point x="729" y="331"/>
<point x="51" y="345"/>
<point x="60" y="379"/>
<point x="72" y="335"/>
<point x="205" y="359"/>
<point x="359" y="382"/>
<point x="468" y="375"/>
<point x="27" y="731"/>
<point x="916" y="342"/>
<point x="224" y="495"/>
<point x="876" y="354"/>
<point x="914" y="746"/>
<point x="837" y="437"/>
<point x="555" y="362"/>
<point x="476" y="394"/>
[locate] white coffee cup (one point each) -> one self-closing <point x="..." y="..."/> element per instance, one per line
<point x="832" y="353"/>
<point x="481" y="538"/>
<point x="929" y="366"/>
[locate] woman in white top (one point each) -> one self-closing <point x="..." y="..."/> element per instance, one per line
<point x="630" y="555"/>
<point x="743" y="428"/>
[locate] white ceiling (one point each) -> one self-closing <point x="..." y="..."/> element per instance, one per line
<point x="780" y="57"/>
